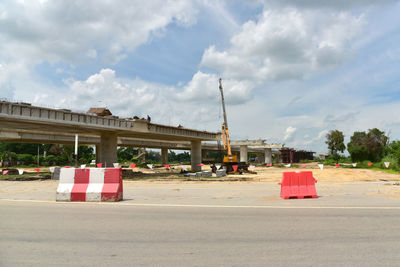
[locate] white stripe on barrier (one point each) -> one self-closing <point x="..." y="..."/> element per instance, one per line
<point x="66" y="184"/>
<point x="96" y="183"/>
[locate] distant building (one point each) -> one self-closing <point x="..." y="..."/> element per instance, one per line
<point x="322" y="155"/>
<point x="287" y="155"/>
<point x="290" y="155"/>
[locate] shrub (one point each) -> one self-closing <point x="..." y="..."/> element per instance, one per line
<point x="394" y="163"/>
<point x="49" y="160"/>
<point x="26" y="158"/>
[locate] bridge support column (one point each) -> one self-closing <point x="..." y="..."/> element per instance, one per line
<point x="268" y="155"/>
<point x="107" y="150"/>
<point x="195" y="155"/>
<point x="164" y="156"/>
<point x="243" y="154"/>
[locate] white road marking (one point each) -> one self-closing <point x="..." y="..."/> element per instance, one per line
<point x="200" y="205"/>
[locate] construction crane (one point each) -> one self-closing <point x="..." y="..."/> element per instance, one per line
<point x="230" y="162"/>
<point x="225" y="131"/>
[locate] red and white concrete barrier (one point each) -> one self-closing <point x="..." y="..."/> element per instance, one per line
<point x="90" y="184"/>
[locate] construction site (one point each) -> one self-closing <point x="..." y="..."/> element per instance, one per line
<point x="199" y="133"/>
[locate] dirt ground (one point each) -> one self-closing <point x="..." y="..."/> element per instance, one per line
<point x="328" y="174"/>
<point x="332" y="181"/>
<point x="264" y="174"/>
<point x="274" y="174"/>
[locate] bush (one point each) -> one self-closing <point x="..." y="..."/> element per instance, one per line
<point x="26" y="158"/>
<point x="394" y="163"/>
<point x="49" y="160"/>
<point x="331" y="160"/>
<point x="305" y="161"/>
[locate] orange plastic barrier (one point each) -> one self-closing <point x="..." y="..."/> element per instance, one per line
<point x="298" y="185"/>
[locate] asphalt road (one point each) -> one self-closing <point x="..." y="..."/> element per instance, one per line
<point x="86" y="234"/>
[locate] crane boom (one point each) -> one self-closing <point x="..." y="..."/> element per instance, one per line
<point x="225" y="130"/>
<point x="230" y="162"/>
<point x="223" y="103"/>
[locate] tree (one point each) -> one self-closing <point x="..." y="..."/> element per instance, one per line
<point x="375" y="143"/>
<point x="21" y="148"/>
<point x="85" y="154"/>
<point x="393" y="151"/>
<point x="125" y="154"/>
<point x="153" y="156"/>
<point x="178" y="157"/>
<point x="356" y="146"/>
<point x="335" y="142"/>
<point x="367" y="146"/>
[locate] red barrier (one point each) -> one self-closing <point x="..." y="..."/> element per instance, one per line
<point x="78" y="192"/>
<point x="90" y="184"/>
<point x="298" y="185"/>
<point x="112" y="189"/>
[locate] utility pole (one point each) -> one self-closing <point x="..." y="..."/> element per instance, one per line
<point x="76" y="150"/>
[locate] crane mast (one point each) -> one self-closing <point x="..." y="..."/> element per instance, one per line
<point x="230" y="162"/>
<point x="225" y="130"/>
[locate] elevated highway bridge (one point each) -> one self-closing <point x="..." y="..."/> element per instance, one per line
<point x="21" y="122"/>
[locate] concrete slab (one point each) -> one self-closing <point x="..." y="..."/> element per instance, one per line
<point x="221" y="173"/>
<point x="206" y="174"/>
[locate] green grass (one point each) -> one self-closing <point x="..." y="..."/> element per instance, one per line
<point x="25" y="176"/>
<point x="383" y="170"/>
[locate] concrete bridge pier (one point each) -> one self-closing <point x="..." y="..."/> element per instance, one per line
<point x="268" y="156"/>
<point x="106" y="151"/>
<point x="243" y="153"/>
<point x="164" y="156"/>
<point x="195" y="155"/>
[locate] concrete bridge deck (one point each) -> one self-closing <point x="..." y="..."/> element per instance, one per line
<point x="26" y="117"/>
<point x="40" y="120"/>
<point x="22" y="122"/>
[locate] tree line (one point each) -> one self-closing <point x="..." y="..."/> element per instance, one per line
<point x="12" y="154"/>
<point x="372" y="145"/>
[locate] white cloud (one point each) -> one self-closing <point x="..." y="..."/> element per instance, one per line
<point x="133" y="97"/>
<point x="289" y="133"/>
<point x="322" y="134"/>
<point x="286" y="44"/>
<point x="92" y="53"/>
<point x="65" y="30"/>
<point x="325" y="4"/>
<point x="124" y="97"/>
<point x="269" y="67"/>
<point x="204" y="87"/>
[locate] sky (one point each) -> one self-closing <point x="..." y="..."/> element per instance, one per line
<point x="292" y="70"/>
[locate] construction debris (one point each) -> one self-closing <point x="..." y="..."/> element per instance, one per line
<point x="102" y="112"/>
